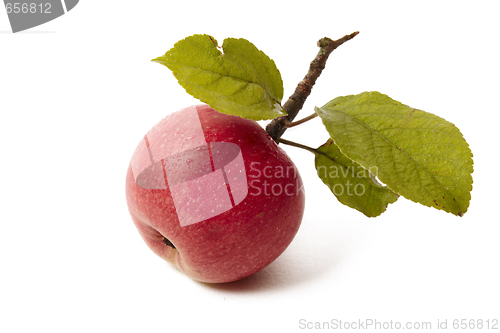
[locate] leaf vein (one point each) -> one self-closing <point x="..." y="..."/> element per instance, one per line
<point x="374" y="132"/>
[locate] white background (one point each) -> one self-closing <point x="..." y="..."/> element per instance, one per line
<point x="78" y="93"/>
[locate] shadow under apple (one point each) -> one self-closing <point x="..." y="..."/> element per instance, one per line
<point x="310" y="255"/>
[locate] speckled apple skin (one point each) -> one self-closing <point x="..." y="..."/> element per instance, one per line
<point x="242" y="240"/>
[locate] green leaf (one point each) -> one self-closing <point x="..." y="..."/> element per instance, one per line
<point x="243" y="81"/>
<point x="417" y="154"/>
<point x="353" y="185"/>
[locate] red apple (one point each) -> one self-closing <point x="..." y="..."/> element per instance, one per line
<point x="213" y="194"/>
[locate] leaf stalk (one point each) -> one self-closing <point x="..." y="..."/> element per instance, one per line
<point x="298" y="122"/>
<point x="298" y="145"/>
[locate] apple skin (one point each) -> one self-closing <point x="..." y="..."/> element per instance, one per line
<point x="239" y="241"/>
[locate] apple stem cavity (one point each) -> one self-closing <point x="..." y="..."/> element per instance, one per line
<point x="296" y="101"/>
<point x="168" y="243"/>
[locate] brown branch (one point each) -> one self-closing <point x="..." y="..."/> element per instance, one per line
<point x="296" y="101"/>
